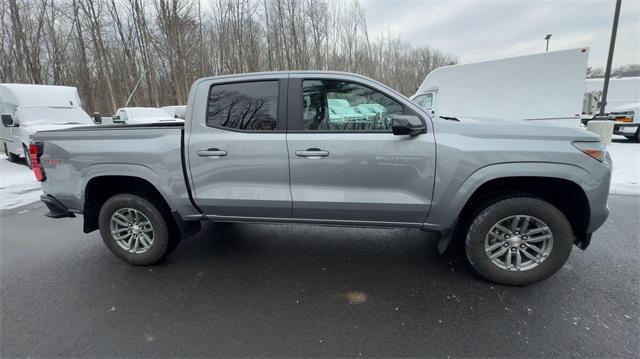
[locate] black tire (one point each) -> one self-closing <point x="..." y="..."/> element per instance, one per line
<point x="634" y="138"/>
<point x="10" y="156"/>
<point x="27" y="158"/>
<point x="495" y="211"/>
<point x="162" y="244"/>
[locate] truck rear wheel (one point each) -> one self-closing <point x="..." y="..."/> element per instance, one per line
<point x="518" y="241"/>
<point x="135" y="229"/>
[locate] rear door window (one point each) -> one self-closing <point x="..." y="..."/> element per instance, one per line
<point x="244" y="106"/>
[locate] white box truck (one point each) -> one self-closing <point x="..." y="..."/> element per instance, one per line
<point x="547" y="87"/>
<point x="26" y="109"/>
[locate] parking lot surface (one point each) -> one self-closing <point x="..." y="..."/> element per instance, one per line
<point x="281" y="290"/>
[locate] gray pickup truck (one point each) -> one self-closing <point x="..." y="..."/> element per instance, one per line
<point x="331" y="149"/>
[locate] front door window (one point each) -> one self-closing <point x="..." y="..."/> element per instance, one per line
<point x="331" y="105"/>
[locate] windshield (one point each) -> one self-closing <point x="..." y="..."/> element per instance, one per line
<point x="54" y="115"/>
<point x="146" y="113"/>
<point x="425" y="101"/>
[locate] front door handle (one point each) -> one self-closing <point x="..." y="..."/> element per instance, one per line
<point x="312" y="153"/>
<point x="212" y="152"/>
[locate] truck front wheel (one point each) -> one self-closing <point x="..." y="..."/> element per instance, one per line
<point x="635" y="137"/>
<point x="518" y="240"/>
<point x="135" y="229"/>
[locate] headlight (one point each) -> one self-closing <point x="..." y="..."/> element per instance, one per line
<point x="623" y="116"/>
<point x="595" y="150"/>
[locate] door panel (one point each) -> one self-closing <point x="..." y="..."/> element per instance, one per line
<point x="345" y="163"/>
<point x="251" y="180"/>
<point x="237" y="151"/>
<point x="365" y="177"/>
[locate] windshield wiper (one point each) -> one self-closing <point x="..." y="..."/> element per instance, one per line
<point x="449" y="118"/>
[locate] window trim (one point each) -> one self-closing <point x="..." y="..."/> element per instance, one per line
<point x="281" y="111"/>
<point x="295" y="122"/>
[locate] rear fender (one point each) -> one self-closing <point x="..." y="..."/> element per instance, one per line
<point x="126" y="170"/>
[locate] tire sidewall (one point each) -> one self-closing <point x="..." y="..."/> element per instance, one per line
<point x="160" y="245"/>
<point x="554" y="218"/>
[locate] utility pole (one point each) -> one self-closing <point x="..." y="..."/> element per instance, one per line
<point x="547" y="38"/>
<point x="612" y="45"/>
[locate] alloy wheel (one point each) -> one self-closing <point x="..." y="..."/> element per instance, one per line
<point x="131" y="230"/>
<point x="518" y="243"/>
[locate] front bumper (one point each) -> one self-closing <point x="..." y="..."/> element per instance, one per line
<point x="625" y="128"/>
<point x="56" y="208"/>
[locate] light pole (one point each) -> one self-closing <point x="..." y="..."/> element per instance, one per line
<point x="547" y="38"/>
<point x="612" y="45"/>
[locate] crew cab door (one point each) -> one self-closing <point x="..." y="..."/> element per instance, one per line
<point x="237" y="153"/>
<point x="346" y="165"/>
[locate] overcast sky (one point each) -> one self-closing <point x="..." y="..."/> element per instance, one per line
<point x="482" y="29"/>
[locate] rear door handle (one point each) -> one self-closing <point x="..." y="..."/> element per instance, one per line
<point x="212" y="152"/>
<point x="312" y="153"/>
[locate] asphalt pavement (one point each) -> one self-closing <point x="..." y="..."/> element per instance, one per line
<point x="279" y="290"/>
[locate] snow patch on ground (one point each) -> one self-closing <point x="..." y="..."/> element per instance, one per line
<point x="18" y="185"/>
<point x="625" y="178"/>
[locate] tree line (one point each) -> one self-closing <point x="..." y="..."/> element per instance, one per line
<point x="106" y="48"/>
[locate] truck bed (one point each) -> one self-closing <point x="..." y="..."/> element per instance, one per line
<point x="153" y="152"/>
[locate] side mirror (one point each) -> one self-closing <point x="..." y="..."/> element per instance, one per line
<point x="97" y="117"/>
<point x="7" y="120"/>
<point x="407" y="125"/>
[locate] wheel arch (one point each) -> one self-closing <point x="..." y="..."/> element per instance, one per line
<point x="562" y="185"/>
<point x="100" y="188"/>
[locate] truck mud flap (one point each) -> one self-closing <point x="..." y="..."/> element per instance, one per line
<point x="186" y="228"/>
<point x="583" y="242"/>
<point x="56" y="209"/>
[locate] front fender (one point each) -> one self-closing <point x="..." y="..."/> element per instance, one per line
<point x="450" y="202"/>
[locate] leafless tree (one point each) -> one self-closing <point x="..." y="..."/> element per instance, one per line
<point x="106" y="47"/>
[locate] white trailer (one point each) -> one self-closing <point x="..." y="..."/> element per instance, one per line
<point x="545" y="87"/>
<point x="27" y="108"/>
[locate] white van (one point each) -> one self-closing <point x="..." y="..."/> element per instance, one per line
<point x="545" y="87"/>
<point x="26" y="109"/>
<point x="623" y="104"/>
